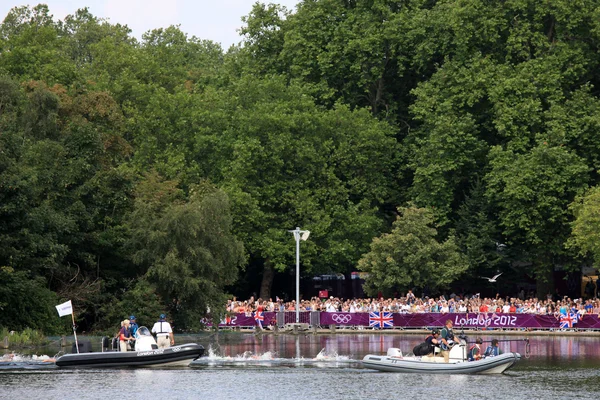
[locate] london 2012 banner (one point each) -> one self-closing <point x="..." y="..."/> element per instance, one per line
<point x="428" y="320"/>
<point x="467" y="320"/>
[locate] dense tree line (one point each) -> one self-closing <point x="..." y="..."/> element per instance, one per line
<point x="426" y="142"/>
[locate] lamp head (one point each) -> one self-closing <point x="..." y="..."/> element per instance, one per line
<point x="305" y="235"/>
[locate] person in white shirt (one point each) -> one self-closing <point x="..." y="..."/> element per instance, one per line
<point x="164" y="333"/>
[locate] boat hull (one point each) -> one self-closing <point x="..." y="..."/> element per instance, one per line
<point x="489" y="365"/>
<point x="173" y="356"/>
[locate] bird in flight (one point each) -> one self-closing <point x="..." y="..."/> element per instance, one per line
<point x="493" y="278"/>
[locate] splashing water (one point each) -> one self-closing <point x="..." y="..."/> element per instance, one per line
<point x="325" y="358"/>
<point x="331" y="355"/>
<point x="213" y="355"/>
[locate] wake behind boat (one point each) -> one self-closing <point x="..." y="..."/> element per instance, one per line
<point x="433" y="364"/>
<point x="146" y="354"/>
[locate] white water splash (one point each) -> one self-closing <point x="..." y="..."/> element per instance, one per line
<point x="213" y="355"/>
<point x="324" y="358"/>
<point x="330" y="355"/>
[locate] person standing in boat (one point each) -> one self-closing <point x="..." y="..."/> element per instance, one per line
<point x="125" y="335"/>
<point x="164" y="333"/>
<point x="475" y="352"/>
<point x="493" y="349"/>
<point x="133" y="326"/>
<point x="447" y="340"/>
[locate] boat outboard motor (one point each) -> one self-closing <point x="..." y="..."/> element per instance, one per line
<point x="85" y="346"/>
<point x="144" y="340"/>
<point x="106" y="343"/>
<point x="394" y="352"/>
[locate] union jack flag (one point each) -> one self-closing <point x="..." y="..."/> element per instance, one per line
<point x="381" y="319"/>
<point x="568" y="320"/>
<point x="259" y="316"/>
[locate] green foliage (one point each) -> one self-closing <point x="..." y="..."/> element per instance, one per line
<point x="586" y="226"/>
<point x="26" y="304"/>
<point x="411" y="256"/>
<point x="327" y="118"/>
<point x="26" y="338"/>
<point x="186" y="244"/>
<point x="140" y="299"/>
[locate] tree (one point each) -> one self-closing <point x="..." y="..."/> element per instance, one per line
<point x="586" y="226"/>
<point x="26" y="302"/>
<point x="186" y="245"/>
<point x="411" y="256"/>
<point x="533" y="191"/>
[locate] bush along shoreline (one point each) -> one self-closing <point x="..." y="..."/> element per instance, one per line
<point x="26" y="338"/>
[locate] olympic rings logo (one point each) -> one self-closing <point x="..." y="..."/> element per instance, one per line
<point x="341" y="318"/>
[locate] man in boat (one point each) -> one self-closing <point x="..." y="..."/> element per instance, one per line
<point x="428" y="346"/>
<point x="493" y="349"/>
<point x="447" y="340"/>
<point x="164" y="333"/>
<point x="433" y="340"/>
<point x="133" y="326"/>
<point x="124" y="335"/>
<point x="475" y="352"/>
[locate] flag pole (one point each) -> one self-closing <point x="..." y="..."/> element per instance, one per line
<point x="75" y="331"/>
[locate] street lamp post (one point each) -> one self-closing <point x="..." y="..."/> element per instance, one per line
<point x="298" y="234"/>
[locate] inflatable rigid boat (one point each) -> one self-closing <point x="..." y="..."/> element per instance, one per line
<point x="434" y="364"/>
<point x="146" y="354"/>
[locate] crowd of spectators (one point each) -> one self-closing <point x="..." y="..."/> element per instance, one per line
<point x="409" y="303"/>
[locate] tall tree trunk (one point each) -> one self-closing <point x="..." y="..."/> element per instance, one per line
<point x="267" y="280"/>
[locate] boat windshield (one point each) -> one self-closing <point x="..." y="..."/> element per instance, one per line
<point x="143" y="331"/>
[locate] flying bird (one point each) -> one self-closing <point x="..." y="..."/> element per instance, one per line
<point x="492" y="279"/>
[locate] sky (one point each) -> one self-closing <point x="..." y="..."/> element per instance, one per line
<point x="216" y="20"/>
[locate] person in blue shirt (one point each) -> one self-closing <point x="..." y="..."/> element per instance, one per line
<point x="133" y="326"/>
<point x="493" y="350"/>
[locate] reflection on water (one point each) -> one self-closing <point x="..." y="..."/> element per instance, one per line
<point x="310" y="366"/>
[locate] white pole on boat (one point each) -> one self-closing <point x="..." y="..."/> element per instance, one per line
<point x="65" y="309"/>
<point x="75" y="331"/>
<point x="298" y="234"/>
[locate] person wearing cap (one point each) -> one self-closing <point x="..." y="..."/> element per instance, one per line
<point x="133" y="326"/>
<point x="164" y="333"/>
<point x="433" y="340"/>
<point x="475" y="350"/>
<point x="125" y="335"/>
<point x="492" y="350"/>
<point x="447" y="340"/>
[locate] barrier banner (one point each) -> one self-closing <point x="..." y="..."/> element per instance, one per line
<point x="428" y="320"/>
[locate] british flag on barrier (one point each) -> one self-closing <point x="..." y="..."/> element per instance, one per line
<point x="568" y="320"/>
<point x="259" y="316"/>
<point x="381" y="319"/>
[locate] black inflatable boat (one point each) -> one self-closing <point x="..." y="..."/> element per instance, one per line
<point x="147" y="354"/>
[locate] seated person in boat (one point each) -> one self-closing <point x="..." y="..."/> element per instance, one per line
<point x="447" y="340"/>
<point x="428" y="346"/>
<point x="125" y="335"/>
<point x="475" y="352"/>
<point x="433" y="340"/>
<point x="493" y="349"/>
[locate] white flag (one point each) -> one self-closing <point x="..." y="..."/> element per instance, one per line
<point x="65" y="308"/>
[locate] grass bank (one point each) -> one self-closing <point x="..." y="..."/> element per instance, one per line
<point x="26" y="338"/>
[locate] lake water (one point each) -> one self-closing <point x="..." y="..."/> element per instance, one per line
<point x="246" y="366"/>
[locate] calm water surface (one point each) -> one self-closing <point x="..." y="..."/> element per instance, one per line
<point x="245" y="366"/>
